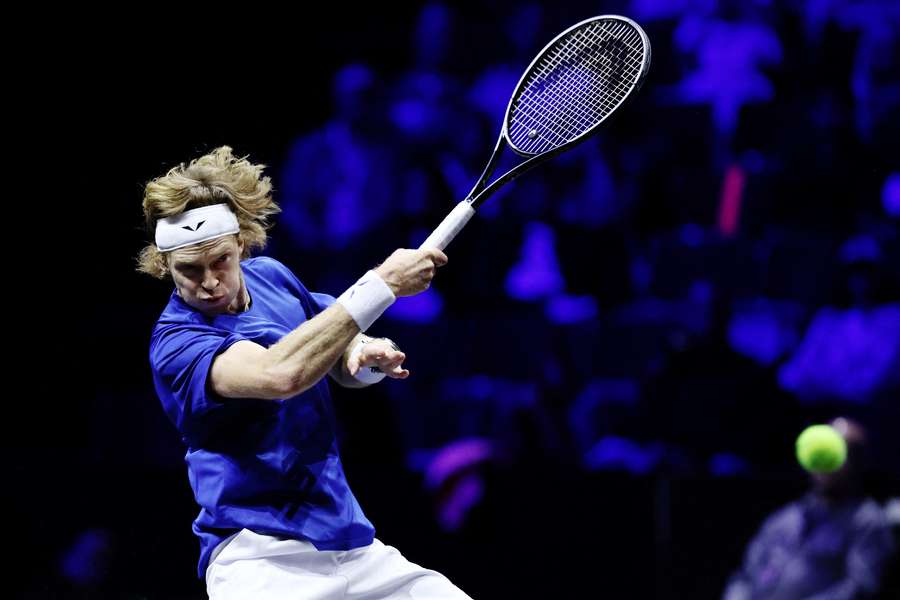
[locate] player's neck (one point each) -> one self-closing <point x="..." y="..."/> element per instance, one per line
<point x="242" y="301"/>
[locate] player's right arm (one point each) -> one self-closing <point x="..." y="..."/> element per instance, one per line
<point x="301" y="358"/>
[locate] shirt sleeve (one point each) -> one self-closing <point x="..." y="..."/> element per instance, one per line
<point x="181" y="357"/>
<point x="321" y="301"/>
<point x="317" y="302"/>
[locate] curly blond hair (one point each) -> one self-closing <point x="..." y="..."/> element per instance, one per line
<point x="216" y="178"/>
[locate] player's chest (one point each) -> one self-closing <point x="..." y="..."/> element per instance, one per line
<point x="268" y="326"/>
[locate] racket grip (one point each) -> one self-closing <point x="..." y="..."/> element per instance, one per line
<point x="452" y="224"/>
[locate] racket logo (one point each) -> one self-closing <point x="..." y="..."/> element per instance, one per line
<point x="612" y="59"/>
<point x="195" y="227"/>
<point x="609" y="63"/>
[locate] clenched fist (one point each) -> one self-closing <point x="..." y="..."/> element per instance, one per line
<point x="409" y="272"/>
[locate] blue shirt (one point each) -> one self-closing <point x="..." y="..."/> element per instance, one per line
<point x="268" y="466"/>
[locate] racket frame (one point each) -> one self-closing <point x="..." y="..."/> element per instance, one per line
<point x="481" y="191"/>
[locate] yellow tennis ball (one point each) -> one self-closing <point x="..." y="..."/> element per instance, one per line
<point x="821" y="449"/>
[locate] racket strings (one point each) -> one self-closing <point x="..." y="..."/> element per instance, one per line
<point x="578" y="39"/>
<point x="574" y="110"/>
<point x="574" y="89"/>
<point x="577" y="84"/>
<point x="618" y="68"/>
<point x="544" y="105"/>
<point x="612" y="65"/>
<point x="587" y="112"/>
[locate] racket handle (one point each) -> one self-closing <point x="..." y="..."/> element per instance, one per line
<point x="450" y="226"/>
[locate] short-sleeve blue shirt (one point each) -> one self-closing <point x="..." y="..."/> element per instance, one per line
<point x="268" y="466"/>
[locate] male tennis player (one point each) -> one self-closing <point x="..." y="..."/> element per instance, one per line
<point x="239" y="358"/>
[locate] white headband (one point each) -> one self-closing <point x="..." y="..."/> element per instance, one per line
<point x="195" y="226"/>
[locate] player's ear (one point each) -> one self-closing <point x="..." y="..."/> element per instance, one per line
<point x="165" y="264"/>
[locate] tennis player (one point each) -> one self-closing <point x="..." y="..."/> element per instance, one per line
<point x="239" y="357"/>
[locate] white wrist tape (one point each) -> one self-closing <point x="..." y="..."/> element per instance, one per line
<point x="367" y="375"/>
<point x="366" y="299"/>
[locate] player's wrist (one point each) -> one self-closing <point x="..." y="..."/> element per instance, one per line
<point x="367" y="299"/>
<point x="385" y="275"/>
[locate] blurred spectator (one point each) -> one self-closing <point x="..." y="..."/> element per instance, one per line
<point x="454" y="475"/>
<point x="832" y="544"/>
<point x="337" y="181"/>
<point x="892" y="581"/>
<point x="850" y="352"/>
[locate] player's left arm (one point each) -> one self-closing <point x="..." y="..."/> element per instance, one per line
<point x="374" y="352"/>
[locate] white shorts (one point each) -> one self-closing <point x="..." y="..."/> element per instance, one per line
<point x="260" y="567"/>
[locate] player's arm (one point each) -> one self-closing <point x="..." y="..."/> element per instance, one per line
<point x="301" y="358"/>
<point x="290" y="366"/>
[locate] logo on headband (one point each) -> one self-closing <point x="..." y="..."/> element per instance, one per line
<point x="195" y="227"/>
<point x="183" y="230"/>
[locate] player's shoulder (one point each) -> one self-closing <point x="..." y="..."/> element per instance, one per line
<point x="177" y="312"/>
<point x="267" y="267"/>
<point x="263" y="263"/>
<point x="178" y="317"/>
<point x="273" y="270"/>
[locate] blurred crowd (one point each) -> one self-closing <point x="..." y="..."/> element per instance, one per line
<point x="719" y="262"/>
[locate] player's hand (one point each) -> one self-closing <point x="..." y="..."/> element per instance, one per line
<point x="408" y="272"/>
<point x="382" y="354"/>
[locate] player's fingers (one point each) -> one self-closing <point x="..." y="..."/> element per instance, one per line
<point x="368" y="358"/>
<point x="375" y="353"/>
<point x="353" y="364"/>
<point x="397" y="373"/>
<point x="392" y="354"/>
<point x="391" y="360"/>
<point x="437" y="257"/>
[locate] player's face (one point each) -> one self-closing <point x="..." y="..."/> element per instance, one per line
<point x="208" y="276"/>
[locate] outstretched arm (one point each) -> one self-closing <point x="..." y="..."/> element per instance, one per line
<point x="302" y="357"/>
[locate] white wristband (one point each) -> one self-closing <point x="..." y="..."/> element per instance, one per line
<point x="367" y="375"/>
<point x="366" y="299"/>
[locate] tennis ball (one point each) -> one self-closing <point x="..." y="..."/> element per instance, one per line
<point x="821" y="449"/>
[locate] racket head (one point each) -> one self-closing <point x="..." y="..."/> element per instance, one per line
<point x="575" y="83"/>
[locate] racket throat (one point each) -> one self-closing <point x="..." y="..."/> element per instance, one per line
<point x="450" y="226"/>
<point x="489" y="169"/>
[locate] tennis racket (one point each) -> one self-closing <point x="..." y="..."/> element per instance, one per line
<point x="576" y="82"/>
